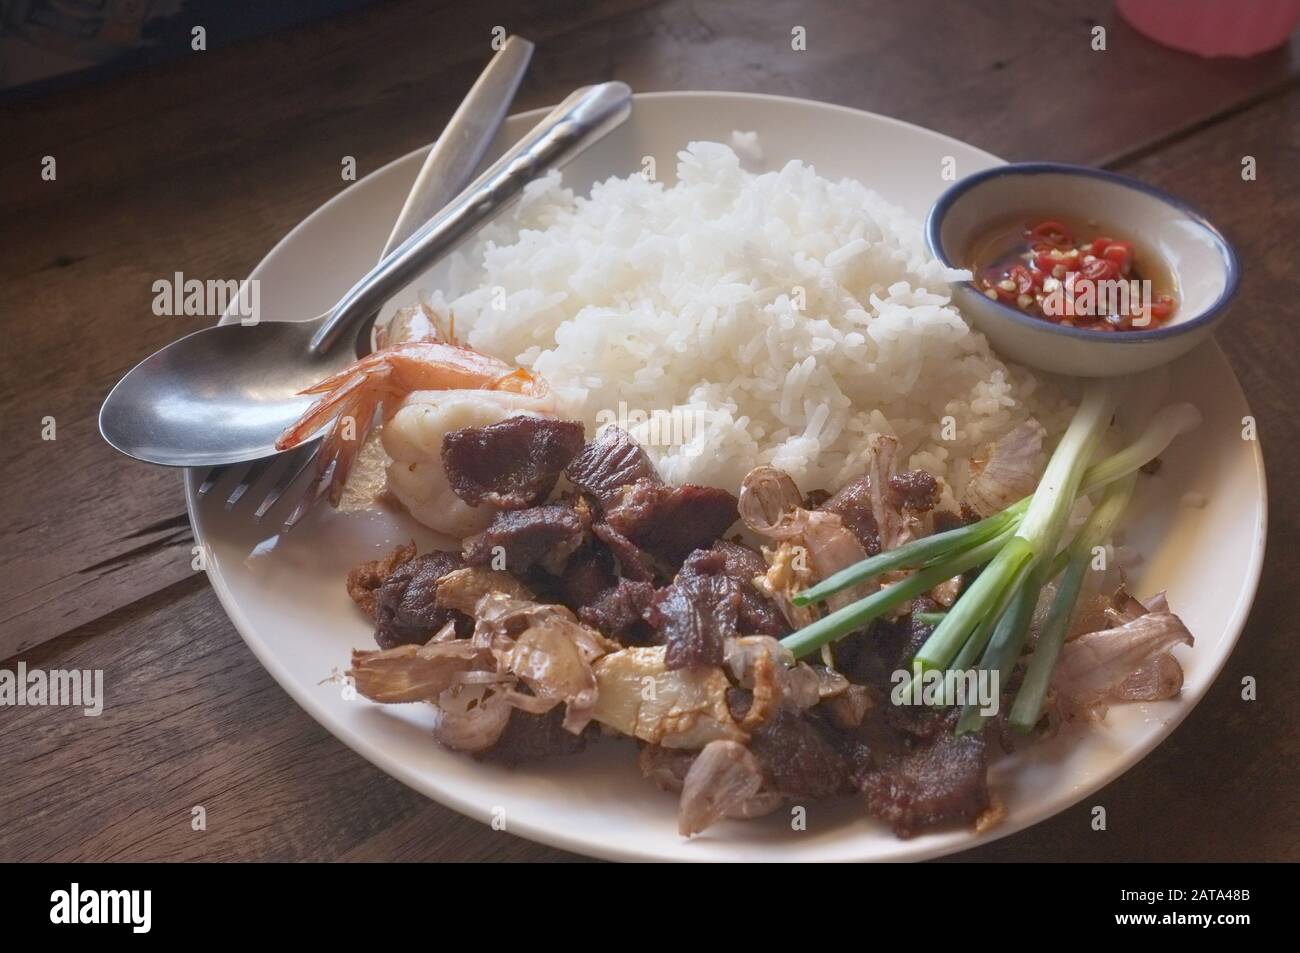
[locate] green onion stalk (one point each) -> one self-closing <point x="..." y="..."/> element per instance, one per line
<point x="1018" y="548"/>
<point x="1028" y="706"/>
<point x="929" y="618"/>
<point x="930" y="550"/>
<point x="856" y="615"/>
<point x="1036" y="538"/>
<point x="984" y="629"/>
<point x="1004" y="646"/>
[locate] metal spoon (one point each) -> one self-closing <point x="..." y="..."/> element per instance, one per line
<point x="447" y="169"/>
<point x="223" y="395"/>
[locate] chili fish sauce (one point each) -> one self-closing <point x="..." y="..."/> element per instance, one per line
<point x="1075" y="274"/>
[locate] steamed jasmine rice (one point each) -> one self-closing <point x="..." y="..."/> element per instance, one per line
<point x="776" y="318"/>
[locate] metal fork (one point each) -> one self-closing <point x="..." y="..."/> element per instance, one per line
<point x="446" y="171"/>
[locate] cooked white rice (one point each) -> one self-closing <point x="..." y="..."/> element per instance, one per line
<point x="782" y="317"/>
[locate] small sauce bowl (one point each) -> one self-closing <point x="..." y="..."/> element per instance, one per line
<point x="1193" y="252"/>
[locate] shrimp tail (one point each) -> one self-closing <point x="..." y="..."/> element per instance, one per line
<point x="335" y="404"/>
<point x="352" y="405"/>
<point x="340" y="450"/>
<point x="352" y="397"/>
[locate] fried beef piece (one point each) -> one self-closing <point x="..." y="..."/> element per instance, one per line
<point x="671" y="521"/>
<point x="694" y="617"/>
<point x="641" y="511"/>
<point x="364" y="580"/>
<point x="619" y="612"/>
<point x="529" y="737"/>
<point x="588" y="573"/>
<point x="871" y="658"/>
<point x="512" y="464"/>
<point x="705" y="562"/>
<point x="852" y="504"/>
<point x="759" y="615"/>
<point x="609" y="584"/>
<point x="941" y="782"/>
<point x="542" y="536"/>
<point x="633" y="563"/>
<point x="945" y="520"/>
<point x="798" y="760"/>
<point x="854" y="746"/>
<point x="610" y="462"/>
<point x="910" y="633"/>
<point x="915" y="490"/>
<point x="405" y="604"/>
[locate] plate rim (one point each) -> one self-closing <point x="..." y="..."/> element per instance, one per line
<point x="957" y="841"/>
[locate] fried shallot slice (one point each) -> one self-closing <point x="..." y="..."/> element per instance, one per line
<point x="1129" y="662"/>
<point x="414" y="673"/>
<point x="720" y="781"/>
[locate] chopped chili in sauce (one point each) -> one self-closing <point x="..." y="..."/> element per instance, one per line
<point x="1044" y="269"/>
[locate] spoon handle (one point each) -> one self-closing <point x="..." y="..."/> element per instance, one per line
<point x="582" y="119"/>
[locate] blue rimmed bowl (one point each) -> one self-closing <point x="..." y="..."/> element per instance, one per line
<point x="1195" y="254"/>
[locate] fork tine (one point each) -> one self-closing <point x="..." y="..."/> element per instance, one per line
<point x="295" y="464"/>
<point x="251" y="476"/>
<point x="211" y="477"/>
<point x="315" y="490"/>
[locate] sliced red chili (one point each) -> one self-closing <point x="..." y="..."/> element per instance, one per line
<point x="1023" y="278"/>
<point x="1121" y="253"/>
<point x="1162" y="306"/>
<point x="1099" y="269"/>
<point x="1020" y="278"/>
<point x="1052" y="233"/>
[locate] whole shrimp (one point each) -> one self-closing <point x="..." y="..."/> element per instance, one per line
<point x="425" y="388"/>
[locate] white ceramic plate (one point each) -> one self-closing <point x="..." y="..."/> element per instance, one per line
<point x="288" y="602"/>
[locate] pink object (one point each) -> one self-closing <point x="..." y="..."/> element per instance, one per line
<point x="1214" y="27"/>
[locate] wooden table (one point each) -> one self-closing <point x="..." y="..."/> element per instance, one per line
<point x="201" y="166"/>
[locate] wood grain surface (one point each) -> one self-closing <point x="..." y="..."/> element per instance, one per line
<point x="201" y="166"/>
